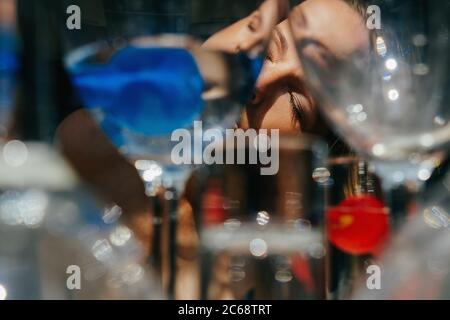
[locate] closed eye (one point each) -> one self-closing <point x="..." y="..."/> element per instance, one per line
<point x="255" y="21"/>
<point x="297" y="109"/>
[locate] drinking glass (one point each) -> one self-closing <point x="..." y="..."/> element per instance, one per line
<point x="156" y="84"/>
<point x="384" y="87"/>
<point x="416" y="264"/>
<point x="262" y="236"/>
<point x="55" y="243"/>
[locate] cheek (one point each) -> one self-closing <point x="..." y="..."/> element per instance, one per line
<point x="280" y="116"/>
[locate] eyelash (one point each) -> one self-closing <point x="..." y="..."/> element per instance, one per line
<point x="297" y="110"/>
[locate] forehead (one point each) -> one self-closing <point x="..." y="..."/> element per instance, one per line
<point x="336" y="25"/>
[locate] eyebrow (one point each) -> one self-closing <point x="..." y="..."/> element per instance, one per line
<point x="281" y="40"/>
<point x="317" y="43"/>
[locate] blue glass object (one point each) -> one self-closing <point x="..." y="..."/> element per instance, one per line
<point x="150" y="91"/>
<point x="256" y="65"/>
<point x="8" y="69"/>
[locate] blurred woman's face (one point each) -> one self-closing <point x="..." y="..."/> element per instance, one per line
<point x="281" y="100"/>
<point x="323" y="31"/>
<point x="251" y="33"/>
<point x="327" y="33"/>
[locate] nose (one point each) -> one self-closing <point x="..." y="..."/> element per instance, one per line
<point x="286" y="74"/>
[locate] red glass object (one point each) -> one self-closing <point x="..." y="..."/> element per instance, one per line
<point x="302" y="271"/>
<point x="213" y="206"/>
<point x="358" y="225"/>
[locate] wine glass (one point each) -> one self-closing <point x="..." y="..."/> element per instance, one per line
<point x="157" y="85"/>
<point x="262" y="236"/>
<point x="55" y="242"/>
<point x="416" y="265"/>
<point x="384" y="88"/>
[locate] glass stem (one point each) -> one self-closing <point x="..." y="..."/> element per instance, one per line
<point x="402" y="201"/>
<point x="155" y="254"/>
<point x="163" y="246"/>
<point x="171" y="196"/>
<point x="401" y="187"/>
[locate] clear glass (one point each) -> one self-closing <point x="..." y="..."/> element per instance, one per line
<point x="153" y="77"/>
<point x="55" y="242"/>
<point x="261" y="236"/>
<point x="383" y="83"/>
<point x="174" y="83"/>
<point x="417" y="263"/>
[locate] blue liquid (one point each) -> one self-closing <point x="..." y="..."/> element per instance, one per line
<point x="8" y="69"/>
<point x="150" y="91"/>
<point x="8" y="61"/>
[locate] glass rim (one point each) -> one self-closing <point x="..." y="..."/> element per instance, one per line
<point x="167" y="40"/>
<point x="278" y="237"/>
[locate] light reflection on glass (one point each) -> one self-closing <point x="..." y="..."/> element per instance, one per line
<point x="102" y="250"/>
<point x="258" y="248"/>
<point x="439" y="121"/>
<point x="391" y="64"/>
<point x="15" y="153"/>
<point x="317" y="251"/>
<point x="436" y="217"/>
<point x="232" y="224"/>
<point x="237" y="269"/>
<point x="120" y="236"/>
<point x="421" y="69"/>
<point x="381" y="46"/>
<point x="112" y="214"/>
<point x="262" y="218"/>
<point x="393" y="94"/>
<point x="427" y="140"/>
<point x="355" y="108"/>
<point x="132" y="274"/>
<point x="154" y="171"/>
<point x="3" y="292"/>
<point x="283" y="276"/>
<point x="424" y="174"/>
<point x="378" y="150"/>
<point x="23" y="208"/>
<point x="237" y="274"/>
